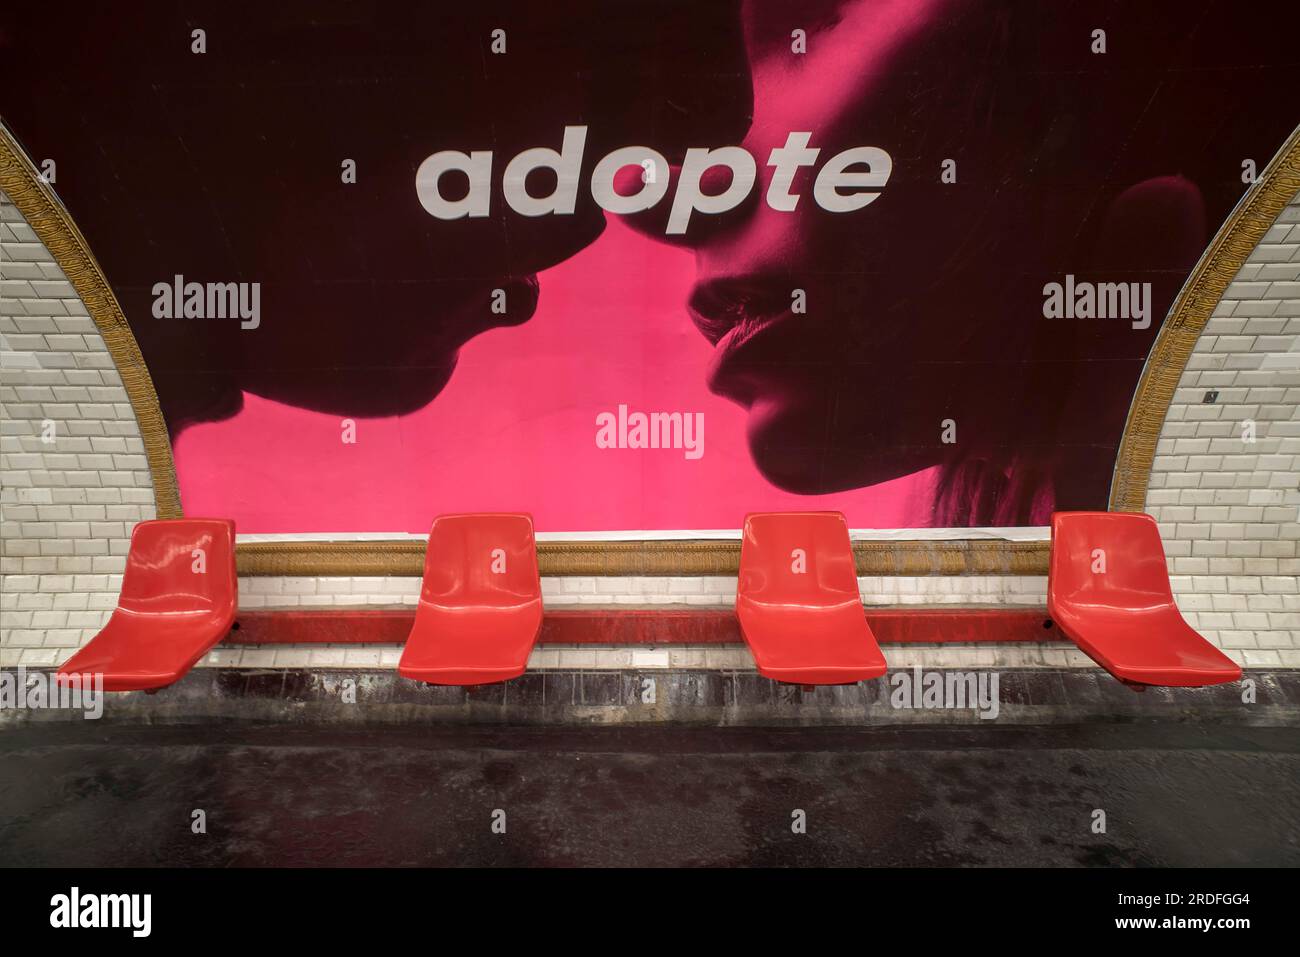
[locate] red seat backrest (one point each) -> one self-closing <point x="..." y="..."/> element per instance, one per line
<point x="777" y="544"/>
<point x="182" y="564"/>
<point x="1108" y="559"/>
<point x="486" y="559"/>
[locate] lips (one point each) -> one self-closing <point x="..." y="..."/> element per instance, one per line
<point x="741" y="318"/>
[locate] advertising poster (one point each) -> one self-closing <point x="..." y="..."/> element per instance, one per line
<point x="646" y="266"/>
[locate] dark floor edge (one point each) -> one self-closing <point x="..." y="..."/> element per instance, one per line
<point x="665" y="697"/>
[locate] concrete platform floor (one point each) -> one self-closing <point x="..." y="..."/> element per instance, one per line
<point x="80" y="794"/>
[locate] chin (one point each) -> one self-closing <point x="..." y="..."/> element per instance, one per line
<point x="363" y="393"/>
<point x="782" y="446"/>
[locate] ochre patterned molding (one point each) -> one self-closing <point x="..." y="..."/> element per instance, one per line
<point x="1228" y="252"/>
<point x="21" y="181"/>
<point x="957" y="557"/>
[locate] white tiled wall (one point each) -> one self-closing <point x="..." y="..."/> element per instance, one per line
<point x="726" y="657"/>
<point x="579" y="592"/>
<point x="1227" y="507"/>
<point x="67" y="506"/>
<point x="618" y="591"/>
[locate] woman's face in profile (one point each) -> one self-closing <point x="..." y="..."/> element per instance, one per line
<point x="863" y="367"/>
<point x="860" y="342"/>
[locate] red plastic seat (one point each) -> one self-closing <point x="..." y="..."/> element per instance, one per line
<point x="798" y="603"/>
<point x="481" y="602"/>
<point x="175" y="604"/>
<point x="1108" y="589"/>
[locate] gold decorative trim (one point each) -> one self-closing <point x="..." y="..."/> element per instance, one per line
<point x="21" y="181"/>
<point x="1219" y="265"/>
<point x="405" y="557"/>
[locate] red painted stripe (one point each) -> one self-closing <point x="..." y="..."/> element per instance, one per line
<point x="643" y="626"/>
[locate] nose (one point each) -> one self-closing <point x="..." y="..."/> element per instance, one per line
<point x="702" y="227"/>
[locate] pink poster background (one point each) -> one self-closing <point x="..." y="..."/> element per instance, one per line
<point x="516" y="428"/>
